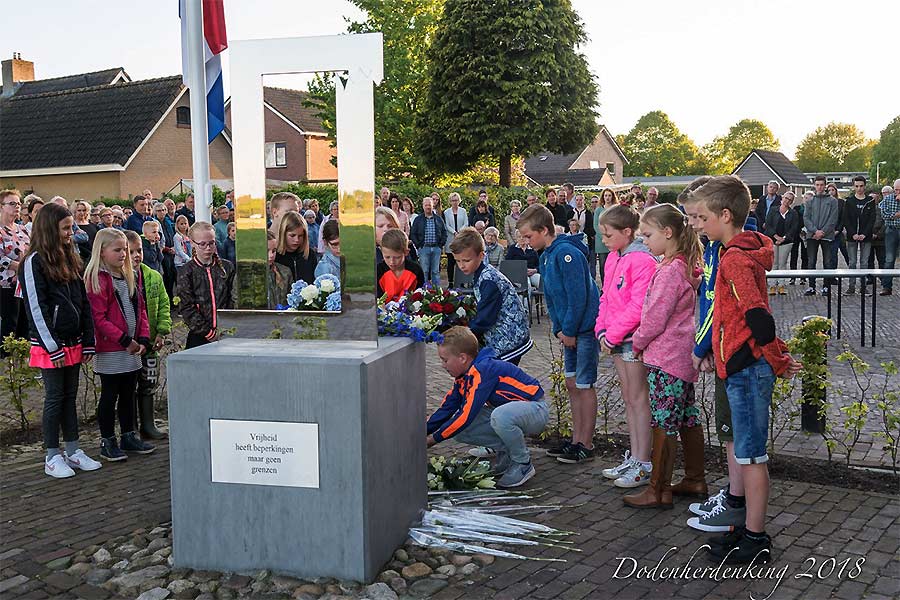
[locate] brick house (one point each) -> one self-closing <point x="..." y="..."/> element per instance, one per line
<point x="297" y="147"/>
<point x="598" y="164"/>
<point x="97" y="135"/>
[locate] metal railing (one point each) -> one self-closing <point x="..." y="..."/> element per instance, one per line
<point x="827" y="275"/>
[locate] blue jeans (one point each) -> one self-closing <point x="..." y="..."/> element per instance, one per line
<point x="891" y="249"/>
<point x="430" y="261"/>
<point x="750" y="397"/>
<point x="505" y="427"/>
<point x="581" y="361"/>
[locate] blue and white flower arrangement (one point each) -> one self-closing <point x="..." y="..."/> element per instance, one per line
<point x="322" y="294"/>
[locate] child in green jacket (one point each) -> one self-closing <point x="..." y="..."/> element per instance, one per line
<point x="150" y="282"/>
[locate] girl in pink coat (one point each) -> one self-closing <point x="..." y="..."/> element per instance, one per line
<point x="627" y="273"/>
<point x="665" y="341"/>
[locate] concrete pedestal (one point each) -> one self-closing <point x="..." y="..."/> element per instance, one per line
<point x="363" y="412"/>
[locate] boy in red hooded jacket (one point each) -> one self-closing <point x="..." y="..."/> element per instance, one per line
<point x="748" y="354"/>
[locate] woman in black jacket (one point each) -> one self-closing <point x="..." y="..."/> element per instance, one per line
<point x="783" y="226"/>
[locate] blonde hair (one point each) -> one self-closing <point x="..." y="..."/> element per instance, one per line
<point x="10" y="192"/>
<point x="726" y="192"/>
<point x="467" y="238"/>
<point x="178" y="219"/>
<point x="688" y="242"/>
<point x="461" y="340"/>
<point x="389" y="214"/>
<point x="687" y="194"/>
<point x="104" y="238"/>
<point x="395" y="240"/>
<point x="151" y="224"/>
<point x="621" y="217"/>
<point x="290" y="221"/>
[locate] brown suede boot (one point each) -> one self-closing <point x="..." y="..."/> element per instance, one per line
<point x="658" y="493"/>
<point x="694" y="482"/>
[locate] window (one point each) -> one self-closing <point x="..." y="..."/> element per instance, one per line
<point x="183" y="116"/>
<point x="594" y="164"/>
<point x="276" y="155"/>
<point x="611" y="168"/>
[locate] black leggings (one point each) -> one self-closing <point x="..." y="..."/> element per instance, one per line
<point x="117" y="391"/>
<point x="60" y="392"/>
<point x="451" y="269"/>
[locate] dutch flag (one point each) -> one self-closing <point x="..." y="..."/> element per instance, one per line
<point x="216" y="42"/>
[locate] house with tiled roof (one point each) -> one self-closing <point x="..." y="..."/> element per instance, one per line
<point x="97" y="135"/>
<point x="598" y="164"/>
<point x="760" y="167"/>
<point x="297" y="147"/>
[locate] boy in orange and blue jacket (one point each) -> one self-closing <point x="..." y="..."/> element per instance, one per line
<point x="493" y="403"/>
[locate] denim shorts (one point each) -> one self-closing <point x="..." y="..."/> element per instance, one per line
<point x="581" y="361"/>
<point x="625" y="351"/>
<point x="750" y="397"/>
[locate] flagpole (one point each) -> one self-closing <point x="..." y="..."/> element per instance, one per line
<point x="199" y="136"/>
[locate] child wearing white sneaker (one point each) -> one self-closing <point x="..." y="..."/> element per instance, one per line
<point x="61" y="331"/>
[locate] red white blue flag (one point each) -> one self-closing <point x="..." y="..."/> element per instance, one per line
<point x="215" y="42"/>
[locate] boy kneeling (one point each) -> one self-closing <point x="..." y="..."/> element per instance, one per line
<point x="493" y="403"/>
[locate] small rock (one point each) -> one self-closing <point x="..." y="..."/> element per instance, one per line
<point x="156" y="593"/>
<point x="379" y="591"/>
<point x="303" y="596"/>
<point x="468" y="569"/>
<point x="98" y="576"/>
<point x="158" y="544"/>
<point x="313" y="589"/>
<point x="182" y="588"/>
<point x="79" y="569"/>
<point x="401" y="555"/>
<point x="158" y="531"/>
<point x="235" y="582"/>
<point x="102" y="556"/>
<point x="396" y="565"/>
<point x="224" y="593"/>
<point x="140" y="541"/>
<point x="91" y="549"/>
<point x="398" y="584"/>
<point x="386" y="576"/>
<point x="416" y="571"/>
<point x="205" y="595"/>
<point x="333" y="589"/>
<point x="483" y="559"/>
<point x="164" y="552"/>
<point x="442" y="560"/>
<point x="427" y="587"/>
<point x="460" y="560"/>
<point x="432" y="562"/>
<point x="180" y="573"/>
<point x="140" y="563"/>
<point x="158" y="559"/>
<point x="80" y="558"/>
<point x="439" y="551"/>
<point x="140" y="554"/>
<point x="349" y="587"/>
<point x="60" y="563"/>
<point x="262" y="575"/>
<point x="439" y="576"/>
<point x="120" y="566"/>
<point x="324" y="580"/>
<point x="150" y="584"/>
<point x="208" y="587"/>
<point x="135" y="579"/>
<point x="260" y="587"/>
<point x="125" y="550"/>
<point x="285" y="582"/>
<point x="448" y="570"/>
<point x="170" y="561"/>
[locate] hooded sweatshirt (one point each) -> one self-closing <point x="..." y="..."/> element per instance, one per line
<point x="627" y="276"/>
<point x="821" y="213"/>
<point x="569" y="291"/>
<point x="859" y="217"/>
<point x="666" y="332"/>
<point x="743" y="325"/>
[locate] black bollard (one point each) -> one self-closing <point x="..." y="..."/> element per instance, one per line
<point x="812" y="395"/>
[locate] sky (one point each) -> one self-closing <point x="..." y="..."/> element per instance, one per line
<point x="795" y="65"/>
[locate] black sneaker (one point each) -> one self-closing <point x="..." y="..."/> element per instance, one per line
<point x="744" y="551"/>
<point x="809" y="292"/>
<point x="576" y="454"/>
<point x="109" y="450"/>
<point x="559" y="448"/>
<point x="132" y="443"/>
<point x="729" y="539"/>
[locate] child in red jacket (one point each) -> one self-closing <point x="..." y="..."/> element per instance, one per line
<point x="748" y="354"/>
<point x="122" y="334"/>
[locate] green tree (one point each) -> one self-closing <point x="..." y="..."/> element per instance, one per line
<point x="655" y="146"/>
<point x="408" y="27"/>
<point x="506" y="79"/>
<point x="887" y="149"/>
<point x="724" y="153"/>
<point x="834" y="147"/>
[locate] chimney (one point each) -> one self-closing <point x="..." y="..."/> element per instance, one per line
<point x="16" y="71"/>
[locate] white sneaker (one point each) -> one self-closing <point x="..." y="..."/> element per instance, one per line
<point x="701" y="509"/>
<point x="617" y="471"/>
<point x="57" y="467"/>
<point x="482" y="452"/>
<point x="80" y="460"/>
<point x="635" y="476"/>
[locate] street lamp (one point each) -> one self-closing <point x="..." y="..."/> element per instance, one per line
<point x="878" y="171"/>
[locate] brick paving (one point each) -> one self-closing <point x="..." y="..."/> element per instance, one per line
<point x="44" y="519"/>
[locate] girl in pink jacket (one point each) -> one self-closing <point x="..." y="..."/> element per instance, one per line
<point x="627" y="273"/>
<point x="665" y="342"/>
<point x="122" y="334"/>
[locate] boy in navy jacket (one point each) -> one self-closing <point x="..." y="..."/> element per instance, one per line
<point x="493" y="403"/>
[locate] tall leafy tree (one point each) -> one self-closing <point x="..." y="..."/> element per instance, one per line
<point x="506" y="78"/>
<point x="655" y="146"/>
<point x="887" y="149"/>
<point x="724" y="153"/>
<point x="408" y="27"/>
<point x="834" y="147"/>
